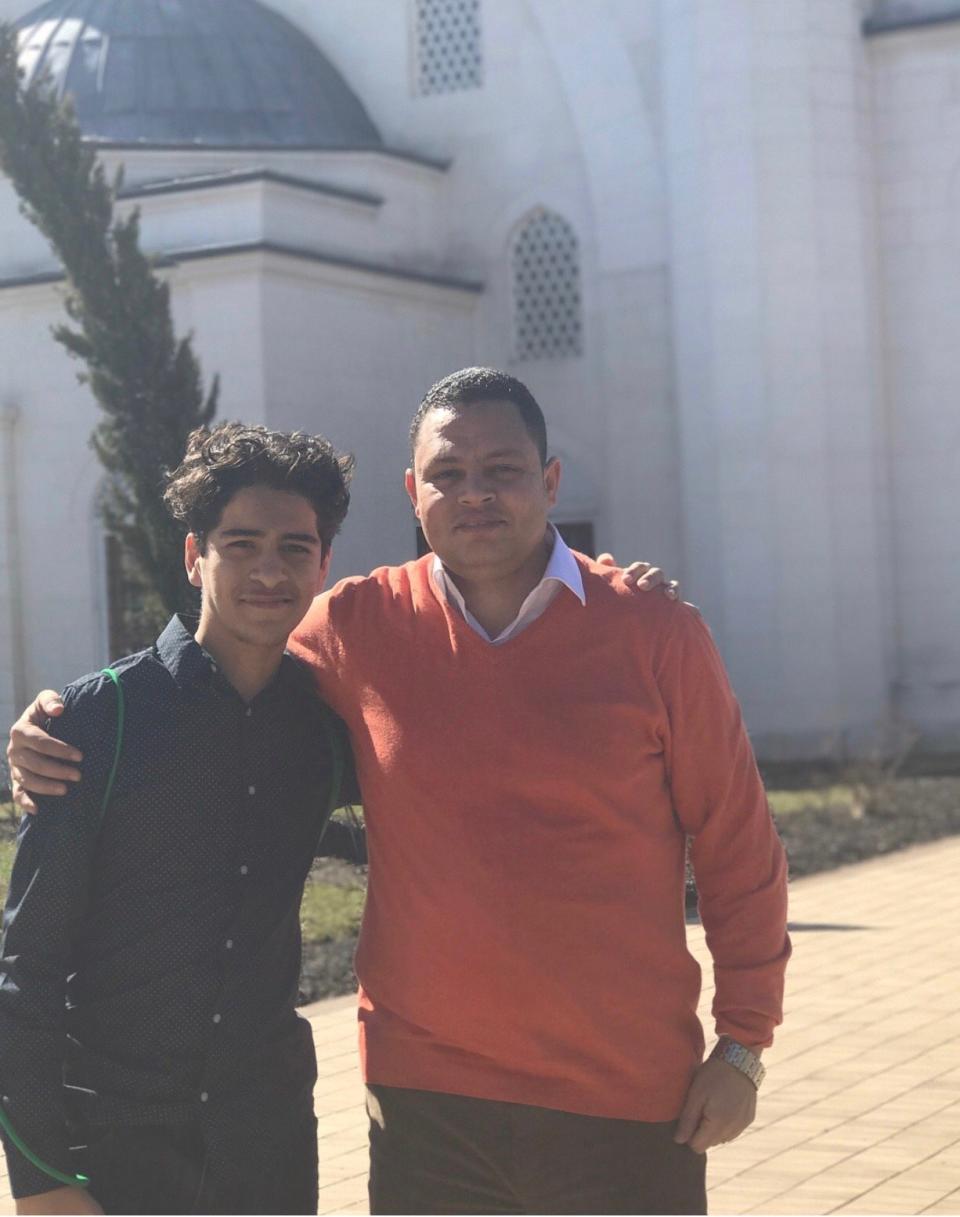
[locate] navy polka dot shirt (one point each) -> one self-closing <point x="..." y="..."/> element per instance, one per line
<point x="150" y="960"/>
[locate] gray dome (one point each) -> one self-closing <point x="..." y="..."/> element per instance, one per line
<point x="193" y="73"/>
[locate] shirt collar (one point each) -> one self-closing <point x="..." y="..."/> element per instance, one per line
<point x="181" y="654"/>
<point x="562" y="567"/>
<point x="189" y="664"/>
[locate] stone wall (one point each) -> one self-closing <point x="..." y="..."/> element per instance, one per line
<point x="917" y="100"/>
<point x="776" y="339"/>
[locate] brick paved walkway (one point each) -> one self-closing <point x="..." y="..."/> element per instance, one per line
<point x="861" y="1109"/>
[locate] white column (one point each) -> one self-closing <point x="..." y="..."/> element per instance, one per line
<point x="767" y="147"/>
<point x="918" y="122"/>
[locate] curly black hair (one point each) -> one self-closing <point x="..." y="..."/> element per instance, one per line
<point x="221" y="460"/>
<point x="471" y="385"/>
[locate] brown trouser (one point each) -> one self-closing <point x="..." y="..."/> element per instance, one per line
<point x="445" y="1153"/>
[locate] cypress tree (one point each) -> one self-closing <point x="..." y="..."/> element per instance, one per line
<point x="147" y="382"/>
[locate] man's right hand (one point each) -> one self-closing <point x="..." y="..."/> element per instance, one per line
<point x="60" y="1200"/>
<point x="40" y="764"/>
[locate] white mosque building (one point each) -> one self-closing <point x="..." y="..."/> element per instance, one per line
<point x="719" y="239"/>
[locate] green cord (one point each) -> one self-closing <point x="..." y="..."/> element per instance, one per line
<point x="116" y="753"/>
<point x="68" y="1180"/>
<point x="60" y="1176"/>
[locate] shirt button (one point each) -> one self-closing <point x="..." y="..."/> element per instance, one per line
<point x="249" y="711"/>
<point x="204" y="1096"/>
<point x="229" y="944"/>
<point x="244" y="869"/>
<point x="216" y="1018"/>
<point x="251" y="790"/>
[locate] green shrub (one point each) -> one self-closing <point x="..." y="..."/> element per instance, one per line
<point x="330" y="911"/>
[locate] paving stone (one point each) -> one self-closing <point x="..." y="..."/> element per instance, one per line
<point x="948" y="1204"/>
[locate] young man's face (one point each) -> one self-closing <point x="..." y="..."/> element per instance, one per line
<point x="479" y="489"/>
<point x="262" y="566"/>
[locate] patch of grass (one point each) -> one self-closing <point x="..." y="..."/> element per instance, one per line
<point x="329" y="911"/>
<point x="8" y="845"/>
<point x="788" y="802"/>
<point x="7" y="850"/>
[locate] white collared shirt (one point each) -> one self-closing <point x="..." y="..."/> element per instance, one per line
<point x="562" y="570"/>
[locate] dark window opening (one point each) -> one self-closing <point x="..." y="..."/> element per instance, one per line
<point x="579" y="536"/>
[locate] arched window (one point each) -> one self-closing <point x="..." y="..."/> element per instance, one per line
<point x="545" y="266"/>
<point x="449" y="55"/>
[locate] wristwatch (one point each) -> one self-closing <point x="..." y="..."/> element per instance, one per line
<point x="739" y="1057"/>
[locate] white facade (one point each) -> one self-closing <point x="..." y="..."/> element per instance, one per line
<point x="760" y="396"/>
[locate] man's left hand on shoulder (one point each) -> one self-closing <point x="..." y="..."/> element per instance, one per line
<point x="644" y="577"/>
<point x="720" y="1104"/>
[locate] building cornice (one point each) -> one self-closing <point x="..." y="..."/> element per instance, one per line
<point x="33" y="280"/>
<point x="208" y="252"/>
<point x="876" y="26"/>
<point x="438" y="164"/>
<point x="187" y="184"/>
<point x="344" y="262"/>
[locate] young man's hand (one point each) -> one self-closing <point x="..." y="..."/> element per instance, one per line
<point x="61" y="1200"/>
<point x="643" y="577"/>
<point x="40" y="764"/>
<point x="720" y="1104"/>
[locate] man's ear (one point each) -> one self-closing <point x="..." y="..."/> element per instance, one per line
<point x="191" y="560"/>
<point x="410" y="484"/>
<point x="551" y="480"/>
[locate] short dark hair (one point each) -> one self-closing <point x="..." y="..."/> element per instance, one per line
<point x="231" y="456"/>
<point x="471" y="385"/>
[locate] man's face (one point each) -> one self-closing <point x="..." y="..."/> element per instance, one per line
<point x="262" y="567"/>
<point x="479" y="489"/>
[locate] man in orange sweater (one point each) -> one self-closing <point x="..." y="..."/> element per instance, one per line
<point x="534" y="744"/>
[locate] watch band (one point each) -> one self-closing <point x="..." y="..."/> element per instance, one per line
<point x="740" y="1058"/>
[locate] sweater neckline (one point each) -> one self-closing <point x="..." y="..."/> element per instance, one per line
<point x="462" y="628"/>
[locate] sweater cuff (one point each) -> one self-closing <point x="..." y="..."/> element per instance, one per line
<point x="752" y="1028"/>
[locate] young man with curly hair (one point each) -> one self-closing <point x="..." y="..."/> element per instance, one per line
<point x="152" y="944"/>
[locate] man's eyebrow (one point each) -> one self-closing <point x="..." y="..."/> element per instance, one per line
<point x="307" y="537"/>
<point x="454" y="459"/>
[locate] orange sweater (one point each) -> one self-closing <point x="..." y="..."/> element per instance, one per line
<point x="526" y="806"/>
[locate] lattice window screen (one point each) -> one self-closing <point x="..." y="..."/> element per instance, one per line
<point x="449" y="52"/>
<point x="548" y="321"/>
